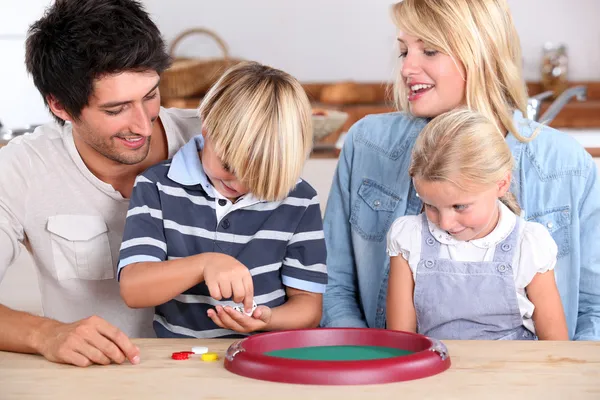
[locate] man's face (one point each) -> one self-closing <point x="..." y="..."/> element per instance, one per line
<point x="117" y="123"/>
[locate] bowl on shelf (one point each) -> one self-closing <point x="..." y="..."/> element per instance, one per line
<point x="325" y="122"/>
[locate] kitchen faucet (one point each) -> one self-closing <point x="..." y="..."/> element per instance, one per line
<point x="534" y="104"/>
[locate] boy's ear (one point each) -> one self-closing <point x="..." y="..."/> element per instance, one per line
<point x="57" y="108"/>
<point x="504" y="184"/>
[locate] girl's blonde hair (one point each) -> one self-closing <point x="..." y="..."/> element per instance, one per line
<point x="465" y="148"/>
<point x="480" y="35"/>
<point x="259" y="121"/>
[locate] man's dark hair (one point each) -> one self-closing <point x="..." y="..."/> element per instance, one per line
<point x="78" y="41"/>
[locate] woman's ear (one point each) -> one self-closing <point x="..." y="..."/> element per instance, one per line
<point x="504" y="184"/>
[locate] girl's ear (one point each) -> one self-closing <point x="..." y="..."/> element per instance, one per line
<point x="504" y="184"/>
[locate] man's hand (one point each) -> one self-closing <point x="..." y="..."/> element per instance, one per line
<point x="226" y="277"/>
<point x="228" y="318"/>
<point x="86" y="342"/>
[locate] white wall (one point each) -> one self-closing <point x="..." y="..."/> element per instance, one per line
<point x="324" y="40"/>
<point x="20" y="102"/>
<point x="316" y="40"/>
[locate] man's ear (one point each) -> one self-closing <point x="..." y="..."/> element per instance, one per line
<point x="57" y="108"/>
<point x="504" y="184"/>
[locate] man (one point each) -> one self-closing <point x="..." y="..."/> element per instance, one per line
<point x="64" y="189"/>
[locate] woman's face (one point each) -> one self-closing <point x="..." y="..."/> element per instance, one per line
<point x="434" y="81"/>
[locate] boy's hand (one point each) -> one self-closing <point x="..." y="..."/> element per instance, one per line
<point x="228" y="318"/>
<point x="226" y="277"/>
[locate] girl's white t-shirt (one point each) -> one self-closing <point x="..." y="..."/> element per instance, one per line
<point x="535" y="253"/>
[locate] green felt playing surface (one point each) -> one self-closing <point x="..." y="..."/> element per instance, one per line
<point x="339" y="353"/>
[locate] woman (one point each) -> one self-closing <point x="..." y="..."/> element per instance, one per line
<point x="456" y="53"/>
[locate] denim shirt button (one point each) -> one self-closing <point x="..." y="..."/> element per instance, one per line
<point x="380" y="311"/>
<point x="549" y="225"/>
<point x="429" y="263"/>
<point x="376" y="203"/>
<point x="506" y="247"/>
<point x="501" y="267"/>
<point x="430" y="241"/>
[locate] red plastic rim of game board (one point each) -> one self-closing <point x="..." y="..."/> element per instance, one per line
<point x="246" y="357"/>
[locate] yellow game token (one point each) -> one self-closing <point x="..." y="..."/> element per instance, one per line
<point x="209" y="357"/>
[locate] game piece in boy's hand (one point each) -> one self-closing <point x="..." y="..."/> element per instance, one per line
<point x="240" y="308"/>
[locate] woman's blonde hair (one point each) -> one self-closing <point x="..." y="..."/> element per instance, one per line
<point x="465" y="148"/>
<point x="480" y="35"/>
<point x="259" y="121"/>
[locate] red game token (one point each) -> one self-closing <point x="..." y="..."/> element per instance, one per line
<point x="180" y="356"/>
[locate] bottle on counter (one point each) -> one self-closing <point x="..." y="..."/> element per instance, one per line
<point x="555" y="66"/>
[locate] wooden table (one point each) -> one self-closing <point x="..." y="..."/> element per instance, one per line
<point x="480" y="370"/>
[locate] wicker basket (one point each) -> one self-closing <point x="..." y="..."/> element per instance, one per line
<point x="192" y="76"/>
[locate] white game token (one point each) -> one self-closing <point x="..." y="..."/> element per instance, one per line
<point x="240" y="308"/>
<point x="200" y="350"/>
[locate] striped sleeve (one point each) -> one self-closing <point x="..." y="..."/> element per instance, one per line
<point x="143" y="238"/>
<point x="304" y="266"/>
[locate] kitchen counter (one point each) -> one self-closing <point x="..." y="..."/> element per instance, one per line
<point x="480" y="370"/>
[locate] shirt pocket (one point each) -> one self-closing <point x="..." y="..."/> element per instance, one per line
<point x="80" y="247"/>
<point x="373" y="210"/>
<point x="558" y="223"/>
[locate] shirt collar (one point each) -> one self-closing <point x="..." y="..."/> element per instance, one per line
<point x="505" y="226"/>
<point x="186" y="167"/>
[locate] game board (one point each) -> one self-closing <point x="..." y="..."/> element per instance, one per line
<point x="337" y="356"/>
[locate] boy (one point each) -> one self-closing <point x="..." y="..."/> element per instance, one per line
<point x="228" y="217"/>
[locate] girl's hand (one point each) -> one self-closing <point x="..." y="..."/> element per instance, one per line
<point x="228" y="318"/>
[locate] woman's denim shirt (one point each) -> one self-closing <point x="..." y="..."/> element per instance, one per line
<point x="554" y="179"/>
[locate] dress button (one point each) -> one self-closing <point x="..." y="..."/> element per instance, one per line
<point x="376" y="203"/>
<point x="429" y="263"/>
<point x="506" y="247"/>
<point x="222" y="202"/>
<point x="225" y="224"/>
<point x="549" y="225"/>
<point x="501" y="267"/>
<point x="430" y="241"/>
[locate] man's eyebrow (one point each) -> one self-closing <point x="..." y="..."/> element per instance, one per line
<point x="120" y="103"/>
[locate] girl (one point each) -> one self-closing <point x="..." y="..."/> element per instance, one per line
<point x="457" y="53"/>
<point x="469" y="267"/>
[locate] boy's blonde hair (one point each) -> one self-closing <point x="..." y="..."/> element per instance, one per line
<point x="480" y="35"/>
<point x="465" y="148"/>
<point x="259" y="121"/>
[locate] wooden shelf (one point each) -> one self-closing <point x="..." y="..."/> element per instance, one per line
<point x="575" y="114"/>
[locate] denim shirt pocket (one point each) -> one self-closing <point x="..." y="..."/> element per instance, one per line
<point x="373" y="210"/>
<point x="558" y="223"/>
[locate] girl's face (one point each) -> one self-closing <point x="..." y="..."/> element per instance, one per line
<point x="466" y="215"/>
<point x="435" y="82"/>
